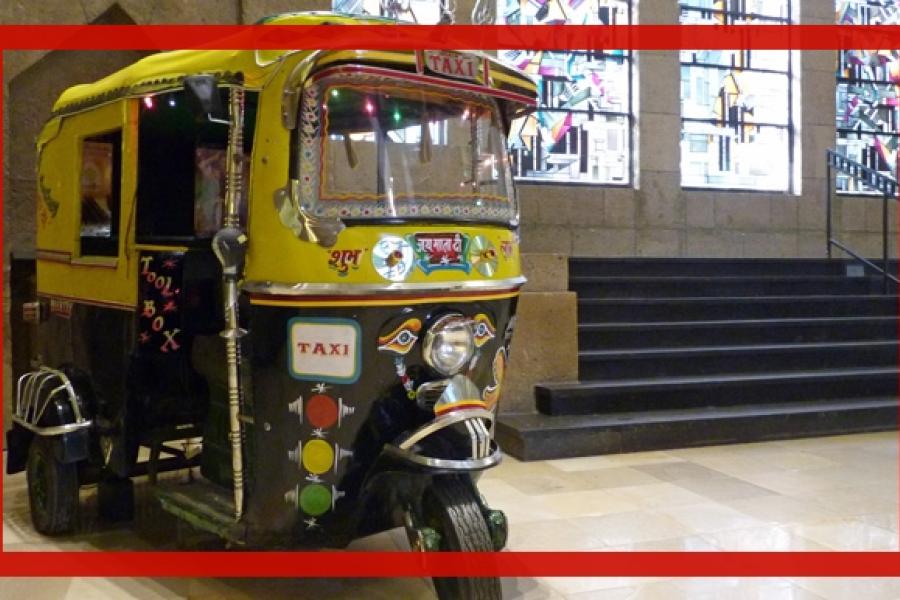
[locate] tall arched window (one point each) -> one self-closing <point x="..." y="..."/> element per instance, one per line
<point x="736" y="105"/>
<point x="867" y="112"/>
<point x="582" y="130"/>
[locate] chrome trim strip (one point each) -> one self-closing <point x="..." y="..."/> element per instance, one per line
<point x="445" y="421"/>
<point x="457" y="465"/>
<point x="48" y="431"/>
<point x="273" y="288"/>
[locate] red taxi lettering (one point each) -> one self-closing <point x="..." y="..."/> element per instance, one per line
<point x="318" y="348"/>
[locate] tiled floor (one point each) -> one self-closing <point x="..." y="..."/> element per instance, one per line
<point x="837" y="493"/>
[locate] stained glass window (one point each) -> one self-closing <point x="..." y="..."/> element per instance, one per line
<point x="866" y="116"/>
<point x="736" y="105"/>
<point x="423" y="12"/>
<point x="582" y="130"/>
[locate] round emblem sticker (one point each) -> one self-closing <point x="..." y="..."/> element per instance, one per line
<point x="393" y="258"/>
<point x="483" y="256"/>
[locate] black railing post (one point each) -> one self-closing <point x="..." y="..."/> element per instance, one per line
<point x="884" y="240"/>
<point x="828" y="183"/>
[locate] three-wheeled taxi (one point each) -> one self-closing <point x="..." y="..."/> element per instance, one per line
<point x="308" y="259"/>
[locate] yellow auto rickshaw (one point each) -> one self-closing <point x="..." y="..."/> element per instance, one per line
<point x="308" y="259"/>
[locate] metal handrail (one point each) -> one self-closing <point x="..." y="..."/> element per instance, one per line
<point x="872" y="178"/>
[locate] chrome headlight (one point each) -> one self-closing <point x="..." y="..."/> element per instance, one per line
<point x="449" y="344"/>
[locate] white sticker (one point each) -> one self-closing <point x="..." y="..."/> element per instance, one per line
<point x="393" y="257"/>
<point x="324" y="350"/>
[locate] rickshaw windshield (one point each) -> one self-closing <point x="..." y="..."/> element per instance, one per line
<point x="393" y="151"/>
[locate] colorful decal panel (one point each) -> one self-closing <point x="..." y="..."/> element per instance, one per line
<point x="160" y="280"/>
<point x="441" y="251"/>
<point x="324" y="350"/>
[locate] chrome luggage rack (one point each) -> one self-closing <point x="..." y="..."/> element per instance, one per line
<point x="35" y="391"/>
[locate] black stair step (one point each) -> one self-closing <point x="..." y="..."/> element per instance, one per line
<point x="738" y="307"/>
<point x="629" y="395"/>
<point x="711" y="266"/>
<point x="591" y="286"/>
<point x="605" y="336"/>
<point x="543" y="437"/>
<point x="596" y="365"/>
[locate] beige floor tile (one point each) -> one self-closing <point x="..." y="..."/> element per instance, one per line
<point x="886" y="521"/>
<point x="676" y="471"/>
<point x="587" y="463"/>
<point x="548" y="483"/>
<point x="709" y="517"/>
<point x="782" y="509"/>
<point x="631" y="527"/>
<point x="724" y="489"/>
<point x="583" y="503"/>
<point x="526" y="588"/>
<point x="761" y="539"/>
<point x="853" y="501"/>
<point x="851" y="588"/>
<point x="614" y="477"/>
<point x="657" y="495"/>
<point x="847" y="534"/>
<point x="555" y="535"/>
<point x="724" y="589"/>
<point x="734" y="465"/>
<point x="691" y="543"/>
<point x="594" y="585"/>
<point x="794" y="483"/>
<point x="34" y="588"/>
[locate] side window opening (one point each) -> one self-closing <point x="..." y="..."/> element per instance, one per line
<point x="100" y="188"/>
<point x="181" y="169"/>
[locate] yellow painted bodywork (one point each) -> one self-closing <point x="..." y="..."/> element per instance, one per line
<point x="105" y="280"/>
<point x="275" y="254"/>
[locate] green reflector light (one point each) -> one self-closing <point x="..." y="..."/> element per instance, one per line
<point x="315" y="499"/>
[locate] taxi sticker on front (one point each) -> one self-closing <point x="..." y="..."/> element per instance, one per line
<point x="324" y="350"/>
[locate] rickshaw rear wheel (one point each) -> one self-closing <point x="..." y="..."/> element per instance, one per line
<point x="450" y="506"/>
<point x="52" y="489"/>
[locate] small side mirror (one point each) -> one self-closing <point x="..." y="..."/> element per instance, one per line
<point x="203" y="96"/>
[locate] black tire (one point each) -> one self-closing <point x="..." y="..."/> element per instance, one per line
<point x="450" y="506"/>
<point x="52" y="489"/>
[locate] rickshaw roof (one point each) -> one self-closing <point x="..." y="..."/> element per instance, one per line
<point x="166" y="70"/>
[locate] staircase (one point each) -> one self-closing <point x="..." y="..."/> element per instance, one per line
<point x="691" y="352"/>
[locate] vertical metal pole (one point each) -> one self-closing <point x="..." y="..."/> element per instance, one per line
<point x="229" y="245"/>
<point x="828" y="183"/>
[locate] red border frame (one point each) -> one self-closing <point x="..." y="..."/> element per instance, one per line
<point x="396" y="564"/>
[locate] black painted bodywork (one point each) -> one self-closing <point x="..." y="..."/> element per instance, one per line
<point x="382" y="413"/>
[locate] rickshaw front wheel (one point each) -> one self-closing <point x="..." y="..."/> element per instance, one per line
<point x="52" y="489"/>
<point x="450" y="506"/>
